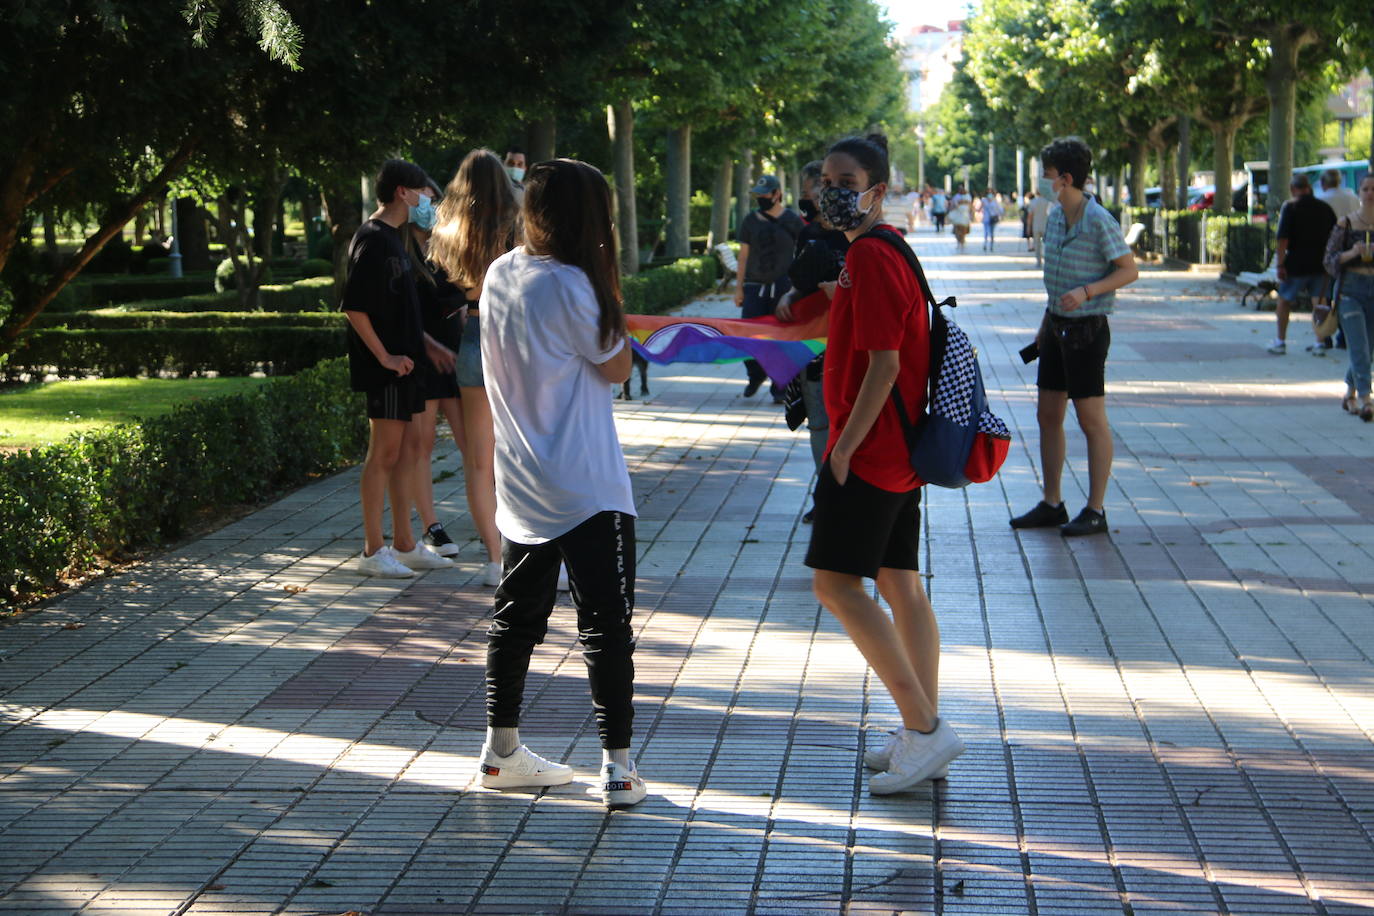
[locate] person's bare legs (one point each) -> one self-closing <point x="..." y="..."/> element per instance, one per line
<point x="479" y="468"/>
<point x="1281" y="313"/>
<point x="1050" y="409"/>
<point x="424" y="475"/>
<point x="452" y="409"/>
<point x="1092" y="419"/>
<point x="914" y="620"/>
<point x="877" y="640"/>
<point x="383" y="452"/>
<point x="404" y="487"/>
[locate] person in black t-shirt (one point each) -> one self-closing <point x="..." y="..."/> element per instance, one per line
<point x="386" y="339"/>
<point x="1305" y="223"/>
<point x="767" y="237"/>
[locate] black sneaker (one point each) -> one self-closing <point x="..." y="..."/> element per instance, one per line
<point x="437" y="538"/>
<point x="1087" y="522"/>
<point x="1042" y="516"/>
<point x="753" y="387"/>
<point x="809" y="516"/>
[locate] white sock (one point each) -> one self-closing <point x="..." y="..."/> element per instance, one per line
<point x="618" y="755"/>
<point x="503" y="741"/>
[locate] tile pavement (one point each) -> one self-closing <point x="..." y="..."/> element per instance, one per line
<point x="1177" y="718"/>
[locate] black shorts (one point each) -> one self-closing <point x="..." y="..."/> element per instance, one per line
<point x="859" y="528"/>
<point x="1073" y="355"/>
<point x="397" y="401"/>
<point x="434" y="382"/>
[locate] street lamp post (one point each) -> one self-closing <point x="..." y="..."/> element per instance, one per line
<point x="174" y="256"/>
<point x="920" y="156"/>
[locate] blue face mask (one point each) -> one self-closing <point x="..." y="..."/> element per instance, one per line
<point x="423" y="214"/>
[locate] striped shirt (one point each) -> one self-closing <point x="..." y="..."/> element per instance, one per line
<point x="1080" y="255"/>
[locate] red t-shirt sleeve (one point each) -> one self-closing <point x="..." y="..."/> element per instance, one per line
<point x="884" y="293"/>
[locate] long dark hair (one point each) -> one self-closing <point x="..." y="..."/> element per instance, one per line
<point x="477" y="219"/>
<point x="568" y="217"/>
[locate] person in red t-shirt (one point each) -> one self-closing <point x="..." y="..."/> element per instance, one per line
<point x="867" y="517"/>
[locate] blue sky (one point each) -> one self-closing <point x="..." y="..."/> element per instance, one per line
<point x="908" y="13"/>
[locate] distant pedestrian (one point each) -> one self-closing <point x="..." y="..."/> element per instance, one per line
<point x="514" y="163"/>
<point x="1305" y="224"/>
<point x="386" y="340"/>
<point x="767" y="238"/>
<point x="478" y="222"/>
<point x="992" y="212"/>
<point x="1350" y="260"/>
<point x="961" y="217"/>
<point x="868" y="517"/>
<point x="554" y="336"/>
<point x="1338" y="197"/>
<point x="939" y="209"/>
<point x="1086" y="261"/>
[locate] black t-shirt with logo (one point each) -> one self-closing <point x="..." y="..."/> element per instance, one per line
<point x="770" y="242"/>
<point x="1306" y="222"/>
<point x="382" y="285"/>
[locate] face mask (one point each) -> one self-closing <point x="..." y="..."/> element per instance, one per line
<point x="422" y="214"/>
<point x="840" y="207"/>
<point x="515" y="174"/>
<point x="1046" y="188"/>
<point x="808" y="210"/>
<point x="764" y="203"/>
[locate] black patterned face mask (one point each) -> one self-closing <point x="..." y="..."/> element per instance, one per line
<point x="840" y="207"/>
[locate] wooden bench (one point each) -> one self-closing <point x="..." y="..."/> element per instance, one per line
<point x="728" y="263"/>
<point x="1259" y="284"/>
<point x="1135" y="238"/>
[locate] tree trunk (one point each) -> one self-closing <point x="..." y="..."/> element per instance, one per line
<point x="794" y="183"/>
<point x="193" y="241"/>
<point x="1281" y="80"/>
<point x="20" y="319"/>
<point x="344" y="214"/>
<point x="50" y="232"/>
<point x="678" y="177"/>
<point x="620" y="118"/>
<point x="1119" y="187"/>
<point x="1185" y="160"/>
<point x="720" y="204"/>
<point x="1168" y="192"/>
<point x="1139" y="156"/>
<point x="539" y="139"/>
<point x="1223" y="155"/>
<point x="744" y="180"/>
<point x="266" y="198"/>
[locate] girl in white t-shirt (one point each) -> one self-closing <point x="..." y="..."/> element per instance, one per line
<point x="553" y="341"/>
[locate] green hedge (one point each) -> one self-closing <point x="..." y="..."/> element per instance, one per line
<point x="273" y="349"/>
<point x="87" y="294"/>
<point x="115" y="319"/>
<point x="312" y="294"/>
<point x="659" y="289"/>
<point x="131" y="487"/>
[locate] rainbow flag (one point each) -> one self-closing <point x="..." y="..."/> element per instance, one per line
<point x="782" y="350"/>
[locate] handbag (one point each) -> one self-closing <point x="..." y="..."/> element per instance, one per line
<point x="1327" y="324"/>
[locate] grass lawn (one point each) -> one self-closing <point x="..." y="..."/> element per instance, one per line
<point x="49" y="412"/>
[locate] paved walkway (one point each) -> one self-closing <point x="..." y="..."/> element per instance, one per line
<point x="1177" y="718"/>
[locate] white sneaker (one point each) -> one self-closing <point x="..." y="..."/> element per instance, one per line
<point x="384" y="565"/>
<point x="880" y="758"/>
<point x="916" y="758"/>
<point x="621" y="788"/>
<point x="492" y="576"/>
<point x="1278" y="347"/>
<point x="423" y="558"/>
<point x="563" y="585"/>
<point x="522" y="769"/>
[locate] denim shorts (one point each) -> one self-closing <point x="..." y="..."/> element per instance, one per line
<point x="1310" y="285"/>
<point x="469" y="369"/>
